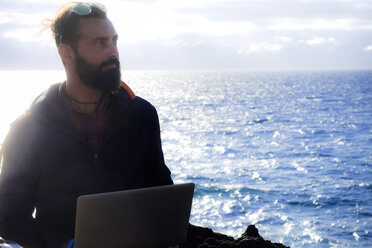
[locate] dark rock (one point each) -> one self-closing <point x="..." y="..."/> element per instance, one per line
<point x="251" y="231"/>
<point x="202" y="237"/>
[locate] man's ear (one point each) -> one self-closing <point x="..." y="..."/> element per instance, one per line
<point x="66" y="53"/>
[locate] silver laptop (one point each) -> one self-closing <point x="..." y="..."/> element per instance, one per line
<point x="149" y="217"/>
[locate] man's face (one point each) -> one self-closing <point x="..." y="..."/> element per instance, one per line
<point x="105" y="76"/>
<point x="97" y="59"/>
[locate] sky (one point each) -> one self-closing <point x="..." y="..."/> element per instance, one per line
<point x="205" y="34"/>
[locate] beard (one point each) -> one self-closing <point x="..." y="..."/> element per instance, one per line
<point x="105" y="80"/>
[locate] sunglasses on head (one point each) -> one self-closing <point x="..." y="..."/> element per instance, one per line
<point x="83" y="9"/>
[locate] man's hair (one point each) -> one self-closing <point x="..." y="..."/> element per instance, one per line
<point x="65" y="26"/>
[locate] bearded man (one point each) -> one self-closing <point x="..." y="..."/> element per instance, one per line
<point x="89" y="134"/>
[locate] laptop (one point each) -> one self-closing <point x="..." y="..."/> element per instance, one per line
<point x="143" y="218"/>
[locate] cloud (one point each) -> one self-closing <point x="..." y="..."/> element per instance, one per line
<point x="161" y="21"/>
<point x="288" y="14"/>
<point x="18" y="55"/>
<point x="26" y="19"/>
<point x="301" y="24"/>
<point x="319" y="40"/>
<point x="32" y="34"/>
<point x="284" y="38"/>
<point x="260" y="47"/>
<point x="206" y="33"/>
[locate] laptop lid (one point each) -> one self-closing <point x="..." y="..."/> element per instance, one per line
<point x="148" y="217"/>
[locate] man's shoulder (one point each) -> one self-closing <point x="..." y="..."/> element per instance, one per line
<point x="143" y="103"/>
<point x="136" y="103"/>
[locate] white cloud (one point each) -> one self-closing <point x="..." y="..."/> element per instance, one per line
<point x="197" y="28"/>
<point x="319" y="40"/>
<point x="28" y="19"/>
<point x="160" y="21"/>
<point x="284" y="38"/>
<point x="30" y="35"/>
<point x="260" y="47"/>
<point x="332" y="40"/>
<point x="298" y="24"/>
<point x="315" y="41"/>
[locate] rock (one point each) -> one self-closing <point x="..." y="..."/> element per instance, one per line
<point x="251" y="231"/>
<point x="202" y="237"/>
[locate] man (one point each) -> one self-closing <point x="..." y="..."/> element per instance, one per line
<point x="87" y="135"/>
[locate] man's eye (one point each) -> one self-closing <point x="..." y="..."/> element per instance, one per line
<point x="101" y="42"/>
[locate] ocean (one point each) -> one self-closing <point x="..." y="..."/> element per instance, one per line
<point x="290" y="152"/>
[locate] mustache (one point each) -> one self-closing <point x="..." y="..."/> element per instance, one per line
<point x="109" y="62"/>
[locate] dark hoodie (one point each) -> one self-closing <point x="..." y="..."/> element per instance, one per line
<point x="47" y="165"/>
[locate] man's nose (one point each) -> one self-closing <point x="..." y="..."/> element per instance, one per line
<point x="113" y="51"/>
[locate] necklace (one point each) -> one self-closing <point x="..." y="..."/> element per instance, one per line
<point x="79" y="102"/>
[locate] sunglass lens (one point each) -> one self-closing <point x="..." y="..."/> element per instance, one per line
<point x="100" y="7"/>
<point x="82" y="9"/>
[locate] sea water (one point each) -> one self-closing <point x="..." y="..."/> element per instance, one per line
<point x="290" y="152"/>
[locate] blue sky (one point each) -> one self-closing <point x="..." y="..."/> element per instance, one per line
<point x="206" y="34"/>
